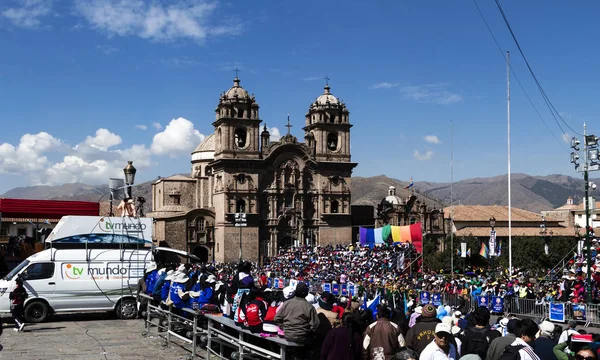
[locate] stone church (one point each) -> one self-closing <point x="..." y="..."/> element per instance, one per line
<point x="292" y="192"/>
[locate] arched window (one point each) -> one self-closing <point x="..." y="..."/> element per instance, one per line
<point x="335" y="207"/>
<point x="240" y="206"/>
<point x="208" y="171"/>
<point x="240" y="137"/>
<point x="332" y="141"/>
<point x="289" y="199"/>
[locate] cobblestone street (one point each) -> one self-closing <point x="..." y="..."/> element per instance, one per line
<point x="85" y="336"/>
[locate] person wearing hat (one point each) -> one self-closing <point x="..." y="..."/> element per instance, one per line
<point x="544" y="344"/>
<point x="297" y="317"/>
<point x="343" y="342"/>
<point x="498" y="345"/>
<point x="441" y="347"/>
<point x="383" y="338"/>
<point x="422" y="333"/>
<point x="564" y="336"/>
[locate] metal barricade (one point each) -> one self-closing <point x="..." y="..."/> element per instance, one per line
<point x="530" y="308"/>
<point x="171" y="325"/>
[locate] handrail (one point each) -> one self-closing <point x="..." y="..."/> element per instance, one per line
<point x="561" y="261"/>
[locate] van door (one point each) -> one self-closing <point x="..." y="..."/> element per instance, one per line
<point x="39" y="280"/>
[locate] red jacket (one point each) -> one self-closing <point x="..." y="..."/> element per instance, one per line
<point x="256" y="312"/>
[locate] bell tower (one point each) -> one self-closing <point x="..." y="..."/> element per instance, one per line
<point x="327" y="122"/>
<point x="237" y="125"/>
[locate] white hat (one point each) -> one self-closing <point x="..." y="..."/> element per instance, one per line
<point x="311" y="298"/>
<point x="169" y="275"/>
<point x="151" y="266"/>
<point x="288" y="292"/>
<point x="504" y="322"/>
<point x="547" y="327"/>
<point x="419" y="309"/>
<point x="211" y="279"/>
<point x="180" y="277"/>
<point x="443" y="328"/>
<point x="181" y="268"/>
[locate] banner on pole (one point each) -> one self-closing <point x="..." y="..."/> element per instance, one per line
<point x="557" y="312"/>
<point x="579" y="312"/>
<point x="327" y="287"/>
<point x="436" y="299"/>
<point x="425" y="298"/>
<point x="492" y="243"/>
<point x="463" y="249"/>
<point x="497" y="304"/>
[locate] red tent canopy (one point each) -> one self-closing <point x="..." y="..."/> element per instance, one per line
<point x="38" y="209"/>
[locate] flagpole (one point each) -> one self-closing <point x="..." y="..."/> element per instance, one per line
<point x="510" y="267"/>
<point x="451" y="207"/>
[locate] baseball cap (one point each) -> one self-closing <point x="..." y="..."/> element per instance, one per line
<point x="443" y="328"/>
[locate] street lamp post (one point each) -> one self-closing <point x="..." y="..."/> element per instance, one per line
<point x="240" y="221"/>
<point x="129" y="172"/>
<point x="492" y="244"/>
<point x="546" y="235"/>
<point x="591" y="163"/>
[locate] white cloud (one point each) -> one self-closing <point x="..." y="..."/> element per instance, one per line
<point x="179" y="62"/>
<point x="29" y="154"/>
<point x="432" y="139"/>
<point x="142" y="127"/>
<point x="383" y="85"/>
<point x="423" y="157"/>
<point x="178" y="137"/>
<point x="431" y="94"/>
<point x="154" y="20"/>
<point x="157" y="125"/>
<point x="103" y="139"/>
<point x="27" y="13"/>
<point x="275" y="135"/>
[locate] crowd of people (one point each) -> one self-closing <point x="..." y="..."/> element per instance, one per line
<point x="345" y="327"/>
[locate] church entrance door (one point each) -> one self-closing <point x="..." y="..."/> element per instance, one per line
<point x="202" y="253"/>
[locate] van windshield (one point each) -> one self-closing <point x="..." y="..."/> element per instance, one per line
<point x="16" y="270"/>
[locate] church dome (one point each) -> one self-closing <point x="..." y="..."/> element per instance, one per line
<point x="327" y="98"/>
<point x="392" y="198"/>
<point x="236" y="92"/>
<point x="206" y="149"/>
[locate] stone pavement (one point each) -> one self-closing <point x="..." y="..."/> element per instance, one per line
<point x="86" y="336"/>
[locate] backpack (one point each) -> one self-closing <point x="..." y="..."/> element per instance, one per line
<point x="477" y="343"/>
<point x="511" y="353"/>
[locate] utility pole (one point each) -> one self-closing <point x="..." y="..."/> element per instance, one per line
<point x="591" y="163"/>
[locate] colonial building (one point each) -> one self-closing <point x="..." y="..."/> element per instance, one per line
<point x="571" y="214"/>
<point x="397" y="211"/>
<point x="292" y="192"/>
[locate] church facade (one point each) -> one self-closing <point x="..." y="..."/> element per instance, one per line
<point x="292" y="192"/>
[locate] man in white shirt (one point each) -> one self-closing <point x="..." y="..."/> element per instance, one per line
<point x="570" y="331"/>
<point x="441" y="347"/>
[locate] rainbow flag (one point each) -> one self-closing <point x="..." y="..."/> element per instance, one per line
<point x="410" y="183"/>
<point x="484" y="250"/>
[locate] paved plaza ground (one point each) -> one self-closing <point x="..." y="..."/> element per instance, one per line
<point x="85" y="336"/>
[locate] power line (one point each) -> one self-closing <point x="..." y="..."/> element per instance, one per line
<point x="517" y="78"/>
<point x="541" y="89"/>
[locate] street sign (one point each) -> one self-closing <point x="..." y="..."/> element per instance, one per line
<point x="492" y="244"/>
<point x="240" y="219"/>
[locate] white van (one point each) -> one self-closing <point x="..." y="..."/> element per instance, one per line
<point x="63" y="280"/>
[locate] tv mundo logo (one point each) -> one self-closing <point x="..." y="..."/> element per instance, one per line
<point x="110" y="271"/>
<point x="73" y="272"/>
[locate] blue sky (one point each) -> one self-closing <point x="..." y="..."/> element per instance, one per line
<point x="87" y="85"/>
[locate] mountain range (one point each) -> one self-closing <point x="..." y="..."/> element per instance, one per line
<point x="532" y="193"/>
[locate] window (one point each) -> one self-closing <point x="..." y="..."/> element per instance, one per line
<point x="413" y="221"/>
<point x="289" y="199"/>
<point x="335" y="207"/>
<point x="240" y="137"/>
<point x="200" y="224"/>
<point x="39" y="271"/>
<point x="208" y="171"/>
<point x="241" y="178"/>
<point x="176" y="199"/>
<point x="332" y="141"/>
<point x="240" y="206"/>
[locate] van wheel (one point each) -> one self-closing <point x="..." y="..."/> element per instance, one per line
<point x="36" y="311"/>
<point x="127" y="309"/>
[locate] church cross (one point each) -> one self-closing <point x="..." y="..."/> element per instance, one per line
<point x="327" y="80"/>
<point x="289" y="126"/>
<point x="236" y="72"/>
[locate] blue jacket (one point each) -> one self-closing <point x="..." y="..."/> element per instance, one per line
<point x="157" y="290"/>
<point x="205" y="296"/>
<point x="177" y="301"/>
<point x="150" y="281"/>
<point x="164" y="290"/>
